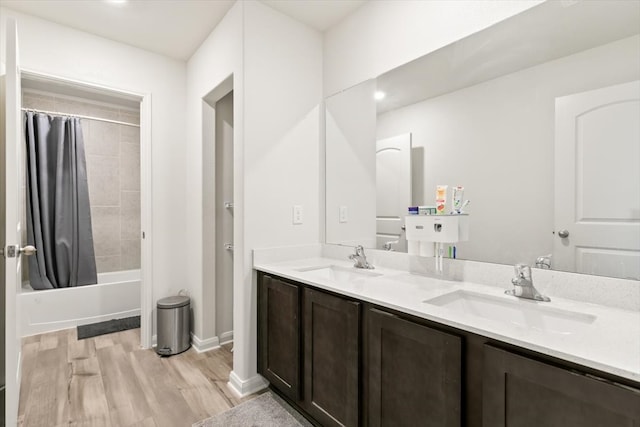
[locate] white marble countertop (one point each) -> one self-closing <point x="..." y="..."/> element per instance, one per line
<point x="611" y="343"/>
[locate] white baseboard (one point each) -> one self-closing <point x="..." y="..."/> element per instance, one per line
<point x="204" y="345"/>
<point x="226" y="337"/>
<point x="242" y="388"/>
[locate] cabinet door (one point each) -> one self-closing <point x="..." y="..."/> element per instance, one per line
<point x="519" y="392"/>
<point x="331" y="363"/>
<point x="414" y="373"/>
<point x="279" y="332"/>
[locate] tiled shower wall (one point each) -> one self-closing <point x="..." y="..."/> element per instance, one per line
<point x="113" y="170"/>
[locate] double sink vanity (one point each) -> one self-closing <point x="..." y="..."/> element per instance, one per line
<point x="529" y="114"/>
<point x="403" y="346"/>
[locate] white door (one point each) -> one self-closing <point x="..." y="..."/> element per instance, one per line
<point x="12" y="201"/>
<point x="393" y="186"/>
<point x="597" y="182"/>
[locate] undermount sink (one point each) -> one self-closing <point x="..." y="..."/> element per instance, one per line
<point x="519" y="312"/>
<point x="338" y="273"/>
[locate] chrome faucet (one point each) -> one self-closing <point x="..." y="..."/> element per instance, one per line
<point x="544" y="262"/>
<point x="360" y="259"/>
<point x="523" y="285"/>
<point x="388" y="246"/>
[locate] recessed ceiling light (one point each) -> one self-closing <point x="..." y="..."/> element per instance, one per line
<point x="116" y="2"/>
<point x="379" y="95"/>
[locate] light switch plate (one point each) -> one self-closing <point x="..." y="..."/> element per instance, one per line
<point x="344" y="214"/>
<point x="297" y="214"/>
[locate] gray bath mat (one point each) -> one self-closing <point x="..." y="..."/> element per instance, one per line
<point x="108" y="327"/>
<point x="266" y="410"/>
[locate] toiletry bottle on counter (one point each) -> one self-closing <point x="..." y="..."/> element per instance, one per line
<point x="426" y="210"/>
<point x="441" y="199"/>
<point x="456" y="200"/>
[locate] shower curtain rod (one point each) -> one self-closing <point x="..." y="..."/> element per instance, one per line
<point x="55" y="113"/>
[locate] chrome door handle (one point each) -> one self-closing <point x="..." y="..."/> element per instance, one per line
<point x="27" y="250"/>
<point x="12" y="251"/>
<point x="563" y="234"/>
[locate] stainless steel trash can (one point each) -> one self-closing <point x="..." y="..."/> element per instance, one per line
<point x="173" y="325"/>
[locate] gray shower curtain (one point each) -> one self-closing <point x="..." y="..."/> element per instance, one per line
<point x="58" y="210"/>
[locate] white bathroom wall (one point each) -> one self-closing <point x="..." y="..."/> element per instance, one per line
<point x="497" y="139"/>
<point x="219" y="57"/>
<point x="351" y="169"/>
<point x="53" y="49"/>
<point x="283" y="90"/>
<point x="384" y="34"/>
<point x="276" y="64"/>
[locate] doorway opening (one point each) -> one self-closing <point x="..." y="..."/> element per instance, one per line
<point x="116" y="144"/>
<point x="218" y="213"/>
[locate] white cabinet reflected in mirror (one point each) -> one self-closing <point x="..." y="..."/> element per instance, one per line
<point x="538" y="117"/>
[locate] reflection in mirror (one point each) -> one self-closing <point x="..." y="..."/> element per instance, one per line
<point x="538" y="117"/>
<point x="351" y="172"/>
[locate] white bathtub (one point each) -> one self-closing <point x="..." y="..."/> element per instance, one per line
<point x="116" y="295"/>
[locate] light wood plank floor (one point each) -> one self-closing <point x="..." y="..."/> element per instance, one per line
<point x="109" y="381"/>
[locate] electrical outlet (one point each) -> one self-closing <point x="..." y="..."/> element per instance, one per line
<point x="297" y="214"/>
<point x="344" y="214"/>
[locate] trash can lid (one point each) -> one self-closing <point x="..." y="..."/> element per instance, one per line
<point x="173" y="302"/>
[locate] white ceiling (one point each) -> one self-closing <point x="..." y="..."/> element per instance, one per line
<point x="174" y="28"/>
<point x="319" y="14"/>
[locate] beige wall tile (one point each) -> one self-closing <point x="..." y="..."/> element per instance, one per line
<point x="129" y="116"/>
<point x="130" y="167"/>
<point x="130" y="215"/>
<point x="130" y="135"/>
<point x="130" y="250"/>
<point x="40" y="102"/>
<point x="105" y="139"/>
<point x="105" y="222"/>
<point x="103" y="112"/>
<point x="86" y="133"/>
<point x="104" y="180"/>
<point x="104" y="191"/>
<point x="105" y="264"/>
<point x="69" y="106"/>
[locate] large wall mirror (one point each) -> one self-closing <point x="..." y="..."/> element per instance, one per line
<point x="538" y="117"/>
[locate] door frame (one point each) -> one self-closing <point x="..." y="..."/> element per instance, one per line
<point x="210" y="248"/>
<point x="146" y="195"/>
<point x="10" y="122"/>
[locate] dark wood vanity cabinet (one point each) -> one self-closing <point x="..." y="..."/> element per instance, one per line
<point x="522" y="392"/>
<point x="279" y="332"/>
<point x="345" y="362"/>
<point x="322" y="376"/>
<point x="412" y="375"/>
<point x="331" y="358"/>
